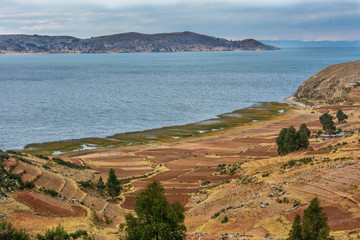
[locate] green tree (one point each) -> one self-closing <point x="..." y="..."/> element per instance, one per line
<point x="290" y="140"/>
<point x="100" y="185"/>
<point x="156" y="218"/>
<point x="303" y="128"/>
<point x="341" y="116"/>
<point x="286" y="141"/>
<point x="295" y="232"/>
<point x="113" y="184"/>
<point x="314" y="224"/>
<point x="302" y="140"/>
<point x="8" y="232"/>
<point x="327" y="123"/>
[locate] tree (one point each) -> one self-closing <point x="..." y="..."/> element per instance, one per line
<point x="327" y="123"/>
<point x="286" y="141"/>
<point x="113" y="184"/>
<point x="314" y="224"/>
<point x="302" y="140"/>
<point x="290" y="140"/>
<point x="295" y="232"/>
<point x="100" y="185"/>
<point x="341" y="116"/>
<point x="303" y="128"/>
<point x="156" y="217"/>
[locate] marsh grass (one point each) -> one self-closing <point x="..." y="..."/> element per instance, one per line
<point x="257" y="112"/>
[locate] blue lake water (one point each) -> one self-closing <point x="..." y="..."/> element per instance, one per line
<point x="57" y="97"/>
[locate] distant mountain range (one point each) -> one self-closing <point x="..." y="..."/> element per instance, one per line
<point x="126" y="43"/>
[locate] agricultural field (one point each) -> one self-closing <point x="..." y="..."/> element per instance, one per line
<point x="231" y="182"/>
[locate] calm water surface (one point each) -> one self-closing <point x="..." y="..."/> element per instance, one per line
<point x="57" y="97"/>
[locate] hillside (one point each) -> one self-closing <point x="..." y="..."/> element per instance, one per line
<point x="234" y="174"/>
<point x="126" y="43"/>
<point x="333" y="84"/>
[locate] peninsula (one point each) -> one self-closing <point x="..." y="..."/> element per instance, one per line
<point x="126" y="43"/>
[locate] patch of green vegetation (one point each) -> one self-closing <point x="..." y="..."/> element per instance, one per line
<point x="265" y="174"/>
<point x="205" y="182"/>
<point x="68" y="164"/>
<point x="49" y="192"/>
<point x="9" y="181"/>
<point x="225" y="210"/>
<point x="260" y="111"/>
<point x="225" y="219"/>
<point x="7" y="231"/>
<point x="229" y="169"/>
<point x="23" y="160"/>
<point x="107" y="219"/>
<point x="299" y="162"/>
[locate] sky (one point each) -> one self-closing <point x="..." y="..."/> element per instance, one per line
<point x="308" y="20"/>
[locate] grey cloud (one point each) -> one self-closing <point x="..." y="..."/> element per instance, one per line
<point x="302" y="19"/>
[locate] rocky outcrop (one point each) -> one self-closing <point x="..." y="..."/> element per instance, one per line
<point x="333" y="84"/>
<point x="126" y="42"/>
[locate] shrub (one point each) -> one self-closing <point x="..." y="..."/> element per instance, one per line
<point x="8" y="232"/>
<point x="49" y="192"/>
<point x="67" y="164"/>
<point x="225" y="219"/>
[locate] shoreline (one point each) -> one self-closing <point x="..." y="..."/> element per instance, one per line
<point x="292" y="100"/>
<point x="257" y="112"/>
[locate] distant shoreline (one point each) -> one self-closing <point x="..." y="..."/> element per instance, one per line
<point x="131" y="42"/>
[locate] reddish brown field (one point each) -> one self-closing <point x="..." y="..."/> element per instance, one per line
<point x="49" y="206"/>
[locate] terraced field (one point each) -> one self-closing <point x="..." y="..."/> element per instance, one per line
<point x="234" y="172"/>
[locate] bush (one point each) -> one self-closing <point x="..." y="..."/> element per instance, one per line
<point x="87" y="184"/>
<point x="67" y="164"/>
<point x="49" y="192"/>
<point x="59" y="233"/>
<point x="225" y="219"/>
<point x="7" y="232"/>
<point x="298" y="162"/>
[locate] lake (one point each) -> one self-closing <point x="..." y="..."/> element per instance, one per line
<point x="57" y="97"/>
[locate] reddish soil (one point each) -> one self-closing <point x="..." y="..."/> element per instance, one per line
<point x="49" y="206"/>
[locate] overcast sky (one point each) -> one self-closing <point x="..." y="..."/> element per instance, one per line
<point x="232" y="19"/>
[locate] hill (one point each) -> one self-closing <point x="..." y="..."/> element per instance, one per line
<point x="333" y="84"/>
<point x="126" y="43"/>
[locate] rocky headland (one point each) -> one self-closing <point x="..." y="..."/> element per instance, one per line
<point x="334" y="84"/>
